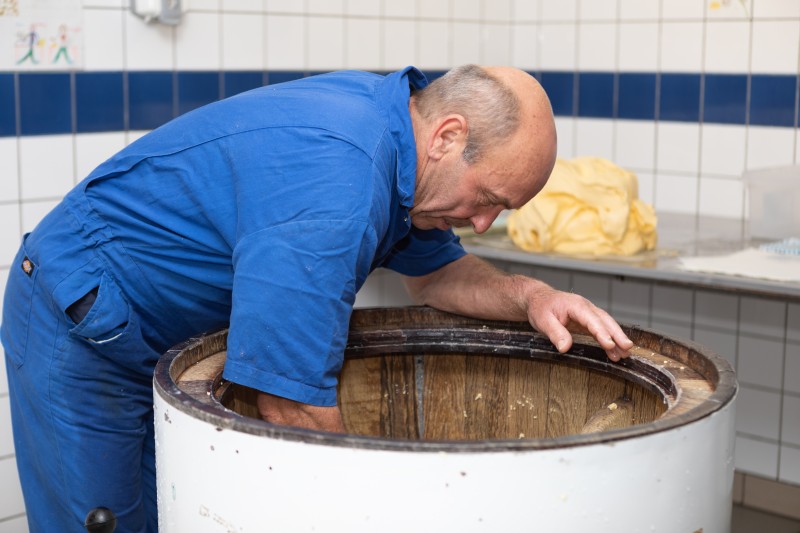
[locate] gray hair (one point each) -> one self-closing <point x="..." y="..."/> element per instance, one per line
<point x="490" y="107"/>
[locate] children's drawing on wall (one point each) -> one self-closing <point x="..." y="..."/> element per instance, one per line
<point x="9" y="8"/>
<point x="46" y="35"/>
<point x="47" y="44"/>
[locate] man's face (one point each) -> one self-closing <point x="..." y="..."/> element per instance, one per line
<point x="460" y="194"/>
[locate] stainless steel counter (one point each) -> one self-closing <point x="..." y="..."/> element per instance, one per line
<point x="678" y="236"/>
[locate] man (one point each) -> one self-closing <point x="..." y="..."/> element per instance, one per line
<point x="266" y="211"/>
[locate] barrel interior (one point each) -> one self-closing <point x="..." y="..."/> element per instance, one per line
<point x="473" y="396"/>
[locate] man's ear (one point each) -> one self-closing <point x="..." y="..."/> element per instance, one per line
<point x="449" y="135"/>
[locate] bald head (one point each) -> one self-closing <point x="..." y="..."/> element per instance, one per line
<point x="497" y="102"/>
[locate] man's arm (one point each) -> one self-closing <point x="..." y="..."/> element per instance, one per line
<point x="472" y="287"/>
<point x="285" y="412"/>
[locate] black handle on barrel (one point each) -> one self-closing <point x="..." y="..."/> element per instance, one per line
<point x="100" y="520"/>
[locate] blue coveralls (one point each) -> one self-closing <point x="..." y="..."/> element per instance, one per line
<point x="266" y="211"/>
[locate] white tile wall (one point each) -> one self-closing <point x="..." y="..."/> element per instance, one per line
<point x="727" y="46"/>
<point x="242" y="41"/>
<point x="197" y="42"/>
<point x="758" y="412"/>
<point x="681" y="45"/>
<point x="638" y="47"/>
<point x="595" y="137"/>
<point x="768" y="147"/>
<point x="774" y="48"/>
<point x="790" y="426"/>
<point x="50" y="176"/>
<point x="325" y="43"/>
<point x="716" y="157"/>
<point x="364" y="48"/>
<point x="597" y="47"/>
<point x="11" y="503"/>
<point x="756" y="457"/>
<point x="91" y="149"/>
<point x="790" y="465"/>
<point x="9" y="181"/>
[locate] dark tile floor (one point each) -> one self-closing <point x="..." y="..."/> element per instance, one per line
<point x="747" y="520"/>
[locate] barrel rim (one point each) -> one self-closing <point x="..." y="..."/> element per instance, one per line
<point x="715" y="368"/>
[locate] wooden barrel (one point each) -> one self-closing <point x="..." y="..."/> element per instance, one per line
<point x="497" y="396"/>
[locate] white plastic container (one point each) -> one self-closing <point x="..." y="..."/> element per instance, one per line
<point x="773" y="200"/>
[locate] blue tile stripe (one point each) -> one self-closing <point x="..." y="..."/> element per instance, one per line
<point x="33" y="103"/>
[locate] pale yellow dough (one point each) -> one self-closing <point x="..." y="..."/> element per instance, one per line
<point x="590" y="206"/>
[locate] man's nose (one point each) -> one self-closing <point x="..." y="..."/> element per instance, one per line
<point x="483" y="220"/>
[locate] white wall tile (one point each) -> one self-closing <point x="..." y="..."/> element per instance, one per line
<point x="672" y="304"/>
<point x="8" y="26"/>
<point x="757" y="413"/>
<point x="681" y="46"/>
<point x="286" y="42"/>
<point x="33" y="212"/>
<point x="565" y="130"/>
<point x="91" y="149"/>
<point x="201" y="5"/>
<point x="148" y="46"/>
<point x="721" y="197"/>
<point x="399" y="8"/>
<point x="740" y="10"/>
<point x="756" y="457"/>
<point x="594" y="137"/>
<point x="793" y="323"/>
<point x="760" y="361"/>
<point x="597" y="47"/>
<point x="525" y="10"/>
<point x="675" y="193"/>
<point x="496" y="10"/>
<point x="325" y="43"/>
<point x="467" y="10"/>
<point x="103" y="39"/>
<point x="630" y="301"/>
<point x="558" y="46"/>
<point x="46" y="165"/>
<point x="776" y="9"/>
<point x="727" y="47"/>
<point x="285" y="6"/>
<point x="559" y="9"/>
<point x="762" y="317"/>
<point x="594" y="288"/>
<point x="437" y="9"/>
<point x="678" y="331"/>
<point x="364" y="8"/>
<point x="11" y="503"/>
<point x="242" y="41"/>
<point x="496" y="44"/>
<point x="682" y="9"/>
<point x="371" y="293"/>
<point x="775" y="46"/>
<point x="364" y="46"/>
<point x="399" y="31"/>
<point x="638" y="47"/>
<point x="790" y="426"/>
<point x="525" y="46"/>
<point x="6" y="439"/>
<point x="15" y="525"/>
<point x="434" y="45"/>
<point x="557" y="279"/>
<point x="466" y="43"/>
<point x="132" y="135"/>
<point x="716" y="310"/>
<point x="790" y="465"/>
<point x="791" y="376"/>
<point x="721" y="153"/>
<point x="721" y="342"/>
<point x="394" y="290"/>
<point x="102" y="3"/>
<point x="325" y="7"/>
<point x="770" y="147"/>
<point x="243" y="6"/>
<point x="677" y="147"/>
<point x="197" y="42"/>
<point x="597" y="10"/>
<point x="639" y="9"/>
<point x="647" y="186"/>
<point x="635" y="144"/>
<point x="9" y="181"/>
<point x="11" y="234"/>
